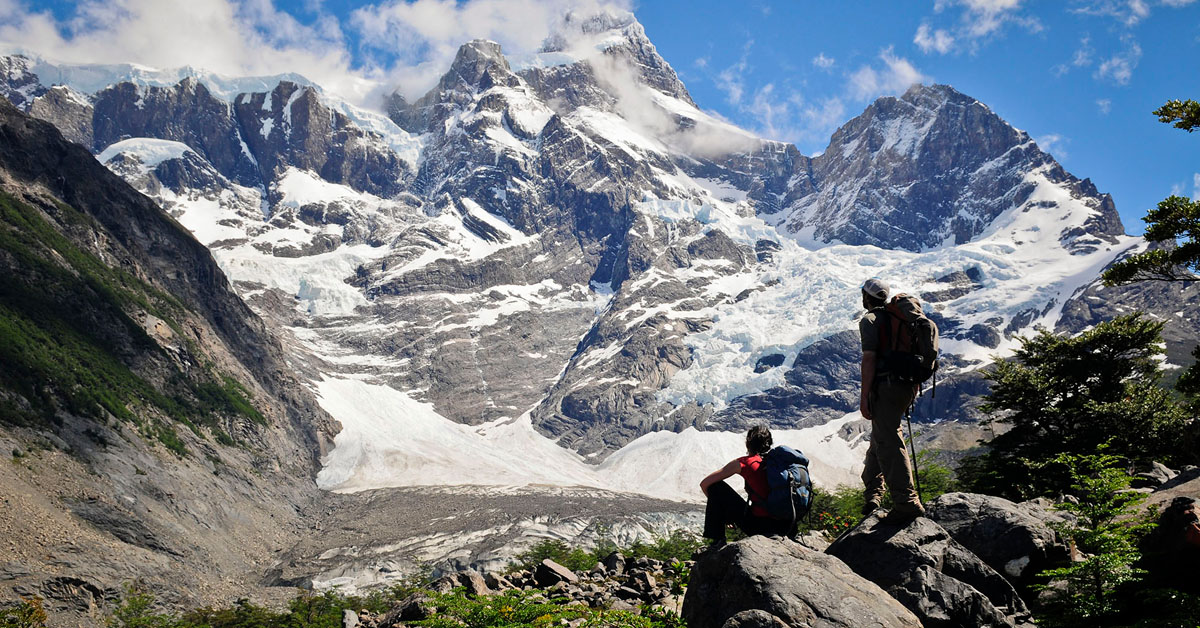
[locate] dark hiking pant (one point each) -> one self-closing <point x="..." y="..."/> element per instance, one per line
<point x="725" y="506"/>
<point x="887" y="459"/>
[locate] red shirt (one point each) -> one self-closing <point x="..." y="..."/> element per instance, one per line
<point x="756" y="483"/>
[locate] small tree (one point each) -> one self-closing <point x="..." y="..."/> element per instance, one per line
<point x="1105" y="531"/>
<point x="1070" y="395"/>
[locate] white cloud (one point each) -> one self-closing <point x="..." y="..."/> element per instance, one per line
<point x="1083" y="56"/>
<point x="1054" y="144"/>
<point x="984" y="17"/>
<point x="1177" y="3"/>
<point x="1127" y="12"/>
<point x="929" y="39"/>
<point x="244" y="38"/>
<point x="979" y="21"/>
<point x="1120" y="66"/>
<point x="1104" y="105"/>
<point x="823" y="62"/>
<point x="897" y="76"/>
<point x="416" y="39"/>
<point x="701" y="63"/>
<point x="731" y="80"/>
<point x="1196" y="186"/>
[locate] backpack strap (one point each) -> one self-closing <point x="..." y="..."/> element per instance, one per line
<point x="889" y="333"/>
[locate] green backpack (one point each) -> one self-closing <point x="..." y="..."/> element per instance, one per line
<point x="908" y="340"/>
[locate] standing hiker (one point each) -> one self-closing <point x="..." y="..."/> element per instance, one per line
<point x="884" y="400"/>
<point x="725" y="507"/>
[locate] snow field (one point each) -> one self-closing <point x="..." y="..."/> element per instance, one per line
<point x="388" y="439"/>
<point x="150" y="151"/>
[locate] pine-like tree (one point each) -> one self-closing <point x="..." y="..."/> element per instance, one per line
<point x="1175" y="225"/>
<point x="1071" y="395"/>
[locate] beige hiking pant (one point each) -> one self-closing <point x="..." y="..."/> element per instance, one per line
<point x="887" y="459"/>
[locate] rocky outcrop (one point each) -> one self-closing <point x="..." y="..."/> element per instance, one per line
<point x="785" y="581"/>
<point x="159" y="432"/>
<point x="1013" y="539"/>
<point x="925" y="569"/>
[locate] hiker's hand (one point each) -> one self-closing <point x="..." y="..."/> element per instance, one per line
<point x="864" y="407"/>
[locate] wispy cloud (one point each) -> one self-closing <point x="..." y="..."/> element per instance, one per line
<point x="1054" y="144"/>
<point x="732" y="80"/>
<point x="985" y="18"/>
<point x="823" y="62"/>
<point x="406" y="43"/>
<point x="1104" y="105"/>
<point x="929" y="39"/>
<point x="1127" y="12"/>
<point x="1119" y="67"/>
<point x="896" y="75"/>
<point x="1196" y="186"/>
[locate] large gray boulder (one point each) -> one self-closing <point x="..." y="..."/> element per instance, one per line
<point x="787" y="581"/>
<point x="925" y="569"/>
<point x="1014" y="539"/>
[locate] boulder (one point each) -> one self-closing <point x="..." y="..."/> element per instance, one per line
<point x="919" y="564"/>
<point x="475" y="584"/>
<point x="1014" y="539"/>
<point x="549" y="573"/>
<point x="1172" y="549"/>
<point x="615" y="563"/>
<point x="754" y="619"/>
<point x="1153" y="477"/>
<point x="350" y="619"/>
<point x="415" y="607"/>
<point x="788" y="581"/>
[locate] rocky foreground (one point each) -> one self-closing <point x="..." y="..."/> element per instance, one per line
<point x="969" y="563"/>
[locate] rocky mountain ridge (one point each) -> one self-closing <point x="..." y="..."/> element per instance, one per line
<point x="575" y="218"/>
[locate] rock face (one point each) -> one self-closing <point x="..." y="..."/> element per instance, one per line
<point x="161" y="435"/>
<point x="1013" y="539"/>
<point x="864" y="179"/>
<point x="786" y="581"/>
<point x="931" y="574"/>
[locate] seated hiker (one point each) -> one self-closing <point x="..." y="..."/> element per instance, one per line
<point x="726" y="507"/>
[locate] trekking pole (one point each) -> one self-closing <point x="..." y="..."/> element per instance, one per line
<point x="913" y="446"/>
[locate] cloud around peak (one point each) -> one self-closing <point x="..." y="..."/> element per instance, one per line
<point x="396" y="43"/>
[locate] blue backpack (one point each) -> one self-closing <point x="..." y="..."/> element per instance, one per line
<point x="790" y="493"/>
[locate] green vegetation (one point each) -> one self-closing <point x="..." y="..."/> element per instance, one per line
<point x="28" y="614"/>
<point x="1063" y="395"/>
<point x="1182" y="114"/>
<point x="1106" y="530"/>
<point x="1175" y="224"/>
<point x="510" y="609"/>
<point x="68" y="341"/>
<point x="678" y="546"/>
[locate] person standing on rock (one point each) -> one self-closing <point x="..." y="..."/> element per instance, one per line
<point x="884" y="400"/>
<point x="725" y="507"/>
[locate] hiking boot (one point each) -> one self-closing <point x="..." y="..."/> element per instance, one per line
<point x="904" y="513"/>
<point x="869" y="507"/>
<point x="713" y="545"/>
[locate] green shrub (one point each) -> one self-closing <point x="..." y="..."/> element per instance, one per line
<point x="28" y="614"/>
<point x="1106" y="531"/>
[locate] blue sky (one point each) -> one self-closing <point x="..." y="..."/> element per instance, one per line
<point x="1081" y="76"/>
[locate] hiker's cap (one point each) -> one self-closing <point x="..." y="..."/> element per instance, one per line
<point x="877" y="288"/>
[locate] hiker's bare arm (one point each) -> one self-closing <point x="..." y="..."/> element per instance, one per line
<point x="726" y="471"/>
<point x="868" y="381"/>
